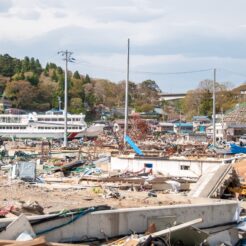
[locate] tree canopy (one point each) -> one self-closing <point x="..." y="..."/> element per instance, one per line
<point x="30" y="86"/>
<point x="200" y="101"/>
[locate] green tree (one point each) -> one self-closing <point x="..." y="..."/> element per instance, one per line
<point x="54" y="76"/>
<point x="200" y="101"/>
<point x="76" y="105"/>
<point x="77" y="89"/>
<point x="59" y="70"/>
<point x="87" y="79"/>
<point x="47" y="67"/>
<point x="76" y="75"/>
<point x="33" y="79"/>
<point x="19" y="76"/>
<point x="7" y="65"/>
<point x="144" y="107"/>
<point x="26" y="64"/>
<point x="150" y="85"/>
<point x="17" y="65"/>
<point x="206" y="103"/>
<point x="38" y="67"/>
<point x="47" y="94"/>
<point x="52" y="65"/>
<point x="22" y="94"/>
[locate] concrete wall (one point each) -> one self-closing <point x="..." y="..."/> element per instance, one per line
<point x="117" y="222"/>
<point x="167" y="167"/>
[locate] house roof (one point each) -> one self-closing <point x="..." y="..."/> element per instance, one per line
<point x="237" y="115"/>
<point x="201" y="117"/>
<point x="165" y="124"/>
<point x="183" y="124"/>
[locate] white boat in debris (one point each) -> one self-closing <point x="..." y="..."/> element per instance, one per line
<point x="47" y="125"/>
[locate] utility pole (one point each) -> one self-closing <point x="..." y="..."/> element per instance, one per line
<point x="222" y="121"/>
<point x="67" y="58"/>
<point x="214" y="103"/>
<point x="59" y="103"/>
<point x="180" y="121"/>
<point x="126" y="91"/>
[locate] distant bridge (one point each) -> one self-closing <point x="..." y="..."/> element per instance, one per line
<point x="171" y="96"/>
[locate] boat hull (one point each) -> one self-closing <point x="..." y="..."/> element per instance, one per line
<point x="41" y="135"/>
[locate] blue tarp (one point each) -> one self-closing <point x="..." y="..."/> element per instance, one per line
<point x="235" y="149"/>
<point x="133" y="145"/>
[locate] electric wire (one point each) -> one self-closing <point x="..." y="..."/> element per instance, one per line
<point x="173" y="73"/>
<point x="133" y="71"/>
<point x="232" y="72"/>
<point x="86" y="63"/>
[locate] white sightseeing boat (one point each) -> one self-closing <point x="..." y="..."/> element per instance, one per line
<point x="47" y="125"/>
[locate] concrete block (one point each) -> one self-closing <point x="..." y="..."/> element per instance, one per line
<point x="14" y="229"/>
<point x="229" y="237"/>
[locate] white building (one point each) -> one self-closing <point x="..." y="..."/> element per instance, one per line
<point x="173" y="167"/>
<point x="227" y="131"/>
<point x="220" y="129"/>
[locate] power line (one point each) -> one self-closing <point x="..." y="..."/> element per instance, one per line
<point x="232" y="72"/>
<point x="111" y="69"/>
<point x="173" y="73"/>
<point x="144" y="72"/>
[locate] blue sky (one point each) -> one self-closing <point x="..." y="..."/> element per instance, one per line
<point x="166" y="36"/>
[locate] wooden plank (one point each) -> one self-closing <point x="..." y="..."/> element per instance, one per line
<point x="40" y="241"/>
<point x="6" y="242"/>
<point x="172" y="229"/>
<point x="18" y="243"/>
<point x="66" y="244"/>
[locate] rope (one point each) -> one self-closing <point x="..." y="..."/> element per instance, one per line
<point x="75" y="218"/>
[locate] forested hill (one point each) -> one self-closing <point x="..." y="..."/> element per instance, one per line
<point x="30" y="86"/>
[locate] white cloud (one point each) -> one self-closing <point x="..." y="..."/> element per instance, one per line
<point x="165" y="34"/>
<point x="5" y="5"/>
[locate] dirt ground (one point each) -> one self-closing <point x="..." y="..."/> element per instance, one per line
<point x="64" y="198"/>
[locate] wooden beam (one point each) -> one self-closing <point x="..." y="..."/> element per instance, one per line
<point x="171" y="229"/>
